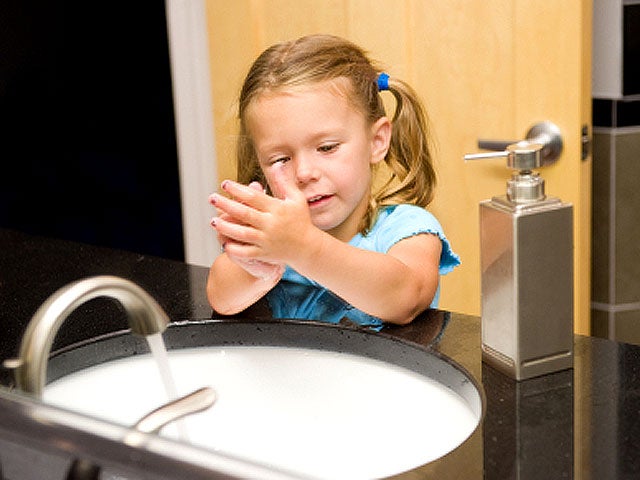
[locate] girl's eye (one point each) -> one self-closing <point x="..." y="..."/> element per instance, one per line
<point x="280" y="160"/>
<point x="328" y="148"/>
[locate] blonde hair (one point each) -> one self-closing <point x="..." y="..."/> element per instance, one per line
<point x="318" y="58"/>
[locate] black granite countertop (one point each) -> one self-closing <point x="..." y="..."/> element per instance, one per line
<point x="578" y="423"/>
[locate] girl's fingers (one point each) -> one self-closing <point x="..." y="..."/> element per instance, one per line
<point x="256" y="186"/>
<point x="232" y="231"/>
<point x="252" y="195"/>
<point x="283" y="185"/>
<point x="235" y="211"/>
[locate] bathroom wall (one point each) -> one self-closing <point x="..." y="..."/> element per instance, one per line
<point x="615" y="308"/>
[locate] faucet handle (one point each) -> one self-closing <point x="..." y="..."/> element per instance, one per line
<point x="194" y="402"/>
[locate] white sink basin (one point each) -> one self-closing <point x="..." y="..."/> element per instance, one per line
<point x="321" y="413"/>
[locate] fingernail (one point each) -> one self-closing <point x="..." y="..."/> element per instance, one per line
<point x="213" y="222"/>
<point x="213" y="199"/>
<point x="224" y="184"/>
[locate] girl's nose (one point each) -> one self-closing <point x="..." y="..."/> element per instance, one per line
<point x="306" y="169"/>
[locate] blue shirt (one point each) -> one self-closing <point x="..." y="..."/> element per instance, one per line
<point x="299" y="297"/>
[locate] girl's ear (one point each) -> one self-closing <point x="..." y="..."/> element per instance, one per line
<point x="380" y="139"/>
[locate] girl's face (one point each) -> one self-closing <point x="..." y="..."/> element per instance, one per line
<point x="323" y="143"/>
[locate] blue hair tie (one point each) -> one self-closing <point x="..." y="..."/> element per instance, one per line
<point x="383" y="82"/>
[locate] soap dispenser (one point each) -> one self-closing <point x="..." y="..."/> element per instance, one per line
<point x="526" y="257"/>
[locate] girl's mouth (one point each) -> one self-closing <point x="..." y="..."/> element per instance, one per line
<point x="318" y="200"/>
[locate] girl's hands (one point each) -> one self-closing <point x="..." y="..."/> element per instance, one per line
<point x="257" y="268"/>
<point x="262" y="270"/>
<point x="255" y="226"/>
<point x="222" y="239"/>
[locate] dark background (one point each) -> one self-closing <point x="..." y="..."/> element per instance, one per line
<point x="87" y="137"/>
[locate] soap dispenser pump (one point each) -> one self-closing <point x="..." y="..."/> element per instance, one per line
<point x="526" y="257"/>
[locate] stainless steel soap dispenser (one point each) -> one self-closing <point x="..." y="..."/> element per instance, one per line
<point x="526" y="257"/>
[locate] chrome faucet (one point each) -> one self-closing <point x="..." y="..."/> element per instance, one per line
<point x="145" y="317"/>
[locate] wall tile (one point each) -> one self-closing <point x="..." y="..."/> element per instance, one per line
<point x="600" y="323"/>
<point x="623" y="112"/>
<point x="600" y="231"/>
<point x="627" y="197"/>
<point x="627" y="327"/>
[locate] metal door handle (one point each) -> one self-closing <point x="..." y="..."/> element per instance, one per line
<point x="545" y="133"/>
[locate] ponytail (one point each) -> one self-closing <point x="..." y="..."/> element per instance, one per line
<point x="413" y="176"/>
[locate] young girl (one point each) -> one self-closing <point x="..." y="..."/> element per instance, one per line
<point x="302" y="225"/>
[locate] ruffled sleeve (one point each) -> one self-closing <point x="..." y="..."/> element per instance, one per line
<point x="398" y="222"/>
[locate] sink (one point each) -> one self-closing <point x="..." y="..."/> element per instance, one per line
<point x="321" y="400"/>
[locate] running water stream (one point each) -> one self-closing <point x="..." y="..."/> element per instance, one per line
<point x="161" y="357"/>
